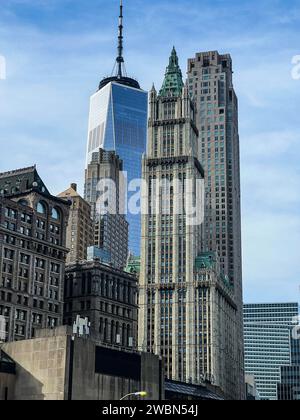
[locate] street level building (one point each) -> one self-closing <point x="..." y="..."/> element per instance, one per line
<point x="57" y="365"/>
<point x="107" y="297"/>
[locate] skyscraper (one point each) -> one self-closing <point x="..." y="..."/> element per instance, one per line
<point x="118" y="122"/>
<point x="187" y="310"/>
<point x="211" y="87"/>
<point x="110" y="224"/>
<point x="268" y="343"/>
<point x="289" y="387"/>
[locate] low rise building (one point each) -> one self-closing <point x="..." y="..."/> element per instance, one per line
<point x="56" y="365"/>
<point x="107" y="297"/>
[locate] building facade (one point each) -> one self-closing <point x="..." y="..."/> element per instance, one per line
<point x="107" y="297"/>
<point x="62" y="366"/>
<point x="268" y="343"/>
<point x="187" y="310"/>
<point x="118" y="122"/>
<point x="104" y="191"/>
<point x="211" y="86"/>
<point x="80" y="230"/>
<point x="32" y="254"/>
<point x="289" y="387"/>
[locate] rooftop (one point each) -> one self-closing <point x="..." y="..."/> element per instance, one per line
<point x="21" y="181"/>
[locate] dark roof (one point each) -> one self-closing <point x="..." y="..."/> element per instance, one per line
<point x="20" y="181"/>
<point x="124" y="81"/>
<point x="196" y="391"/>
<point x="7" y="365"/>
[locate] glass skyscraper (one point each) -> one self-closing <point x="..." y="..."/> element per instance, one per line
<point x="267" y="329"/>
<point x="118" y="122"/>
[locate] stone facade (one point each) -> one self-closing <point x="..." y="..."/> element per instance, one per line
<point x="211" y="85"/>
<point x="80" y="231"/>
<point x="187" y="308"/>
<point x="32" y="254"/>
<point x="107" y="297"/>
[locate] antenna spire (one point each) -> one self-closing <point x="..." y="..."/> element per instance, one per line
<point x="120" y="58"/>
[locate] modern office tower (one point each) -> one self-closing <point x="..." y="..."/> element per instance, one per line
<point x="104" y="191"/>
<point x="118" y="122"/>
<point x="32" y="254"/>
<point x="187" y="310"/>
<point x="268" y="343"/>
<point x="80" y="231"/>
<point x="211" y="87"/>
<point x="289" y="387"/>
<point x="107" y="297"/>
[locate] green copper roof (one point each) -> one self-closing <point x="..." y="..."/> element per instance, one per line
<point x="133" y="265"/>
<point x="173" y="83"/>
<point x="206" y="260"/>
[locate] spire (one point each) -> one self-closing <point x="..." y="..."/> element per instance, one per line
<point x="173" y="82"/>
<point x="119" y="71"/>
<point x="120" y="58"/>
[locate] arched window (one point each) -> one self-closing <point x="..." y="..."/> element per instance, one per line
<point x="55" y="214"/>
<point x="41" y="208"/>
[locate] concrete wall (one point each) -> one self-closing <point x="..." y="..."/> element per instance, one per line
<point x="40" y="367"/>
<point x="88" y="385"/>
<point x="7" y="382"/>
<point x="153" y="377"/>
<point x="55" y="367"/>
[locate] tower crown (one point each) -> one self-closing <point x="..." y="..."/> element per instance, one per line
<point x="173" y="83"/>
<point x="119" y="72"/>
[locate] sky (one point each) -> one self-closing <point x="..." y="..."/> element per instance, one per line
<point x="57" y="51"/>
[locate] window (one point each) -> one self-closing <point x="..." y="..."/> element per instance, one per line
<point x="41" y="208"/>
<point x="55" y="214"/>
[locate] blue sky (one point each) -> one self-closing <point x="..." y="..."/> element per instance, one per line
<point x="58" y="50"/>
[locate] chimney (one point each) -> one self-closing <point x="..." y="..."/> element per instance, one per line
<point x="74" y="187"/>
